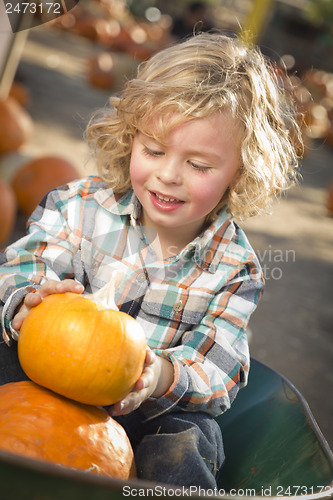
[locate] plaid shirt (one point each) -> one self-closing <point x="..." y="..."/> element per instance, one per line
<point x="194" y="307"/>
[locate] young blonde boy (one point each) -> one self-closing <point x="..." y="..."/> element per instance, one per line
<point x="197" y="139"/>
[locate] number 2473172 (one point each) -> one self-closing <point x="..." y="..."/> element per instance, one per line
<point x="33" y="8"/>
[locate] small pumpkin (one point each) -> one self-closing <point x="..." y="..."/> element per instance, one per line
<point x="16" y="125"/>
<point x="329" y="135"/>
<point x="82" y="349"/>
<point x="39" y="424"/>
<point x="8" y="209"/>
<point x="33" y="180"/>
<point x="20" y="93"/>
<point x="101" y="71"/>
<point x="330" y="198"/>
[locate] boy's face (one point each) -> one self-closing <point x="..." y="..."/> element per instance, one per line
<point x="179" y="182"/>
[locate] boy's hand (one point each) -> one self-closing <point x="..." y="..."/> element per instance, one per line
<point x="32" y="299"/>
<point x="155" y="380"/>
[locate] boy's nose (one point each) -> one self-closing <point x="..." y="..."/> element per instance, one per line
<point x="170" y="173"/>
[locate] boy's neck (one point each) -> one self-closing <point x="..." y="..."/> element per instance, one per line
<point x="167" y="243"/>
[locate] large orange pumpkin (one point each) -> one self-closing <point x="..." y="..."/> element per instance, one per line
<point x="81" y="349"/>
<point x="8" y="209"/>
<point x="16" y="125"/>
<point x="39" y="424"/>
<point x="36" y="178"/>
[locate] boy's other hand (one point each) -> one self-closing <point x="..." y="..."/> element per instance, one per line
<point x="32" y="299"/>
<point x="155" y="380"/>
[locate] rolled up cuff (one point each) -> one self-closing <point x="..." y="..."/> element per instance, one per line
<point x="8" y="332"/>
<point x="154" y="407"/>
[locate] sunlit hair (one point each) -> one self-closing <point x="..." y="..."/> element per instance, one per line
<point x="205" y="74"/>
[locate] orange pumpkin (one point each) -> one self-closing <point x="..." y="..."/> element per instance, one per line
<point x="81" y="349"/>
<point x="36" y="178"/>
<point x="8" y="209"/>
<point x="100" y="71"/>
<point x="16" y="125"/>
<point x="329" y="135"/>
<point x="39" y="424"/>
<point x="20" y="93"/>
<point x="330" y="198"/>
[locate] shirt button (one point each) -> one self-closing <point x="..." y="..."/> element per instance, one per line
<point x="141" y="277"/>
<point x="178" y="306"/>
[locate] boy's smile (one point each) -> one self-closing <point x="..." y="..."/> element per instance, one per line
<point x="163" y="202"/>
<point x="180" y="181"/>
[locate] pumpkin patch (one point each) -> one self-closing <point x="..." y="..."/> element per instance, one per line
<point x="82" y="350"/>
<point x="39" y="424"/>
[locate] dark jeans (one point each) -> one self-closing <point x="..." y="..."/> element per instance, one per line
<point x="180" y="448"/>
<point x="10" y="368"/>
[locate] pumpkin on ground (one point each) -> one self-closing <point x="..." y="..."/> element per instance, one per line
<point x="8" y="209"/>
<point x="16" y="125"/>
<point x="100" y="70"/>
<point x="36" y="178"/>
<point x="82" y="350"/>
<point x="330" y="198"/>
<point x="20" y="93"/>
<point x="39" y="424"/>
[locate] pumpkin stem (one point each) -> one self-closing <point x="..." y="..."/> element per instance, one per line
<point x="105" y="295"/>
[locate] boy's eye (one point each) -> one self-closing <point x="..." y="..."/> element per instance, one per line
<point x="200" y="168"/>
<point x="151" y="152"/>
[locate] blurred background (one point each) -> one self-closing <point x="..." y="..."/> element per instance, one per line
<point x="54" y="76"/>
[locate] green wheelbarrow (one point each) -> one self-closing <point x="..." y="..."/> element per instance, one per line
<point x="273" y="446"/>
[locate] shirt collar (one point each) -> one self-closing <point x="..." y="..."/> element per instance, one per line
<point x="120" y="204"/>
<point x="210" y="245"/>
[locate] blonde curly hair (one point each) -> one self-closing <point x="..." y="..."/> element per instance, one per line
<point x="205" y="74"/>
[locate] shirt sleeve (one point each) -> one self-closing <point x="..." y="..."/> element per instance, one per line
<point x="212" y="362"/>
<point x="46" y="252"/>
